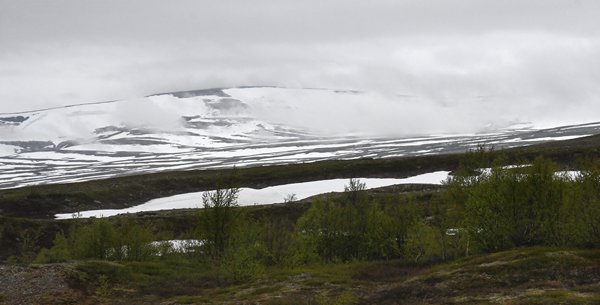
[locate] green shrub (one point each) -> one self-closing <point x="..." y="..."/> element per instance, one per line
<point x="60" y="251"/>
<point x="333" y="229"/>
<point x="136" y="242"/>
<point x="380" y="237"/>
<point x="423" y="243"/>
<point x="581" y="212"/>
<point x="101" y="240"/>
<point x="103" y="289"/>
<point x="529" y="206"/>
<point x="245" y="258"/>
<point x="98" y="240"/>
<point x="302" y="250"/>
<point x="277" y="237"/>
<point x="101" y="274"/>
<point x="352" y="229"/>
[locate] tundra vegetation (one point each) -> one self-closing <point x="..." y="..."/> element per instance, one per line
<point x="479" y="211"/>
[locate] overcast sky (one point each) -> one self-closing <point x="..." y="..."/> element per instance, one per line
<point x="538" y="58"/>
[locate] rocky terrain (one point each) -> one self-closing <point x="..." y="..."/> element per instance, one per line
<point x="38" y="284"/>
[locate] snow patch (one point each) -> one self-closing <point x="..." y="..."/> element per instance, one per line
<point x="269" y="195"/>
<point x="8" y="150"/>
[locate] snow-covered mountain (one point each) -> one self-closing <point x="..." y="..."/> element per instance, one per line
<point x="216" y="128"/>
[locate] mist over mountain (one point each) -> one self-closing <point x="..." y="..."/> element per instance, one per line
<point x="244" y="126"/>
<point x="326" y="112"/>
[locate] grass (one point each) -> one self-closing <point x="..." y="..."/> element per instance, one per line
<point x="192" y="300"/>
<point x="187" y="281"/>
<point x="538" y="275"/>
<point x="554" y="297"/>
<point x="160" y="278"/>
<point x="519" y="276"/>
<point x="566" y="276"/>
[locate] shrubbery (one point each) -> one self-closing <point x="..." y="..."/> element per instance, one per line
<point x="351" y="229"/>
<point x="423" y="243"/>
<point x="101" y="239"/>
<point x="477" y="211"/>
<point x="508" y="207"/>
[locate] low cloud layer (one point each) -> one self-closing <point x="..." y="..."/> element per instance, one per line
<point x="461" y="64"/>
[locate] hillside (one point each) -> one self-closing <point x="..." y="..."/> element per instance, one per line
<point x="47" y="200"/>
<point x="520" y="276"/>
<point x="526" y="275"/>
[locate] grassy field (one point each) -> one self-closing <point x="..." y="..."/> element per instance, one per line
<point x="519" y="276"/>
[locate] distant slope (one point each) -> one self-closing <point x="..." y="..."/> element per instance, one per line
<point x="44" y="201"/>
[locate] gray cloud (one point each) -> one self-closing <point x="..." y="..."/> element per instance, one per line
<point x="480" y="61"/>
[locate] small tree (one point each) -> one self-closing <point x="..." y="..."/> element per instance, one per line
<point x="290" y="198"/>
<point x="218" y="220"/>
<point x="355" y="192"/>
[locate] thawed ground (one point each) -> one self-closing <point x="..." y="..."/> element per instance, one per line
<point x="209" y="129"/>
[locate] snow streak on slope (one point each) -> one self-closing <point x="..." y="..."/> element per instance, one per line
<point x="217" y="128"/>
